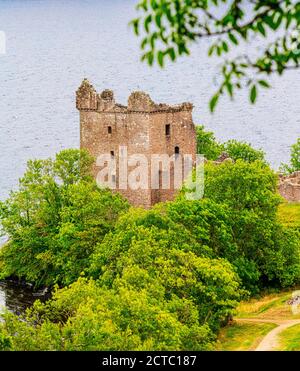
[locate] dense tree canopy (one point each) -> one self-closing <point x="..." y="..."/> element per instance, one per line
<point x="160" y="279"/>
<point x="208" y="146"/>
<point x="262" y="250"/>
<point x="55" y="219"/>
<point x="169" y="27"/>
<point x="294" y="164"/>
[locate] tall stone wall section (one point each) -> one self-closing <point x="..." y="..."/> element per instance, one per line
<point x="141" y="127"/>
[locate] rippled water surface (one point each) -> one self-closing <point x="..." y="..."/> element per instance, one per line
<point x="52" y="45"/>
<point x="16" y="298"/>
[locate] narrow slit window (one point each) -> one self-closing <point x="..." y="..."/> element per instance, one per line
<point x="160" y="179"/>
<point x="109" y="130"/>
<point x="168" y="129"/>
<point x="177" y="150"/>
<point x="112" y="153"/>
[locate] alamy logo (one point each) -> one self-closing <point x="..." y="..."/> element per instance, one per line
<point x="155" y="172"/>
<point x="2" y="43"/>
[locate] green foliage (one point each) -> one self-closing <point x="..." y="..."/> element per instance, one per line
<point x="171" y="257"/>
<point x="207" y="144"/>
<point x="262" y="251"/>
<point x="55" y="220"/>
<point x="295" y="159"/>
<point x="243" y="151"/>
<point x="243" y="186"/>
<point x="250" y="191"/>
<point x="134" y="315"/>
<point x="159" y="279"/>
<point x="168" y="28"/>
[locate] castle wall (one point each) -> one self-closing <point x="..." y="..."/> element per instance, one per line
<point x="289" y="187"/>
<point x="182" y="135"/>
<point x="130" y="130"/>
<point x="141" y="127"/>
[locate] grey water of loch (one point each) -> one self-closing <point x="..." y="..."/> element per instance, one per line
<point x="51" y="45"/>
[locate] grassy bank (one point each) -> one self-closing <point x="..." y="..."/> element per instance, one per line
<point x="247" y="335"/>
<point x="289" y="215"/>
<point x="243" y="336"/>
<point x="289" y="339"/>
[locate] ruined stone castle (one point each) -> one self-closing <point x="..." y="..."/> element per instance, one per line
<point x="289" y="186"/>
<point x="143" y="126"/>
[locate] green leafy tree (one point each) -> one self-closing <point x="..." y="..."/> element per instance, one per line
<point x="169" y="27"/>
<point x="250" y="192"/>
<point x="171" y="257"/>
<point x="138" y="312"/>
<point x="294" y="164"/>
<point x="242" y="151"/>
<point x="55" y="219"/>
<point x="207" y="144"/>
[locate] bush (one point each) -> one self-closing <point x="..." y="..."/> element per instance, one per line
<point x="207" y="144"/>
<point x="260" y="246"/>
<point x="250" y="190"/>
<point x="243" y="151"/>
<point x="55" y="220"/>
<point x="133" y="315"/>
<point x="294" y="164"/>
<point x="181" y="265"/>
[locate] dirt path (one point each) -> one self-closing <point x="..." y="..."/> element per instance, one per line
<point x="270" y="341"/>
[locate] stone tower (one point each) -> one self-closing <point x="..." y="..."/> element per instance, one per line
<point x="143" y="127"/>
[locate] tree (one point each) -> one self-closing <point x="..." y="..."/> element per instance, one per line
<point x="174" y="303"/>
<point x="249" y="190"/>
<point x="169" y="27"/>
<point x="294" y="161"/>
<point x="55" y="219"/>
<point x="243" y="151"/>
<point x="162" y="251"/>
<point x="207" y="144"/>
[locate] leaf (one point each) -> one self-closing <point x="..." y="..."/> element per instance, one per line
<point x="233" y="39"/>
<point x="211" y="50"/>
<point x="225" y="46"/>
<point x="135" y="25"/>
<point x="160" y="58"/>
<point x="264" y="83"/>
<point x="253" y="94"/>
<point x="229" y="88"/>
<point x="172" y="54"/>
<point x="213" y="102"/>
<point x="158" y="20"/>
<point x="261" y="28"/>
<point x="147" y="23"/>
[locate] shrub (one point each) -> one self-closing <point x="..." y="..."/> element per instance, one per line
<point x="207" y="144"/>
<point x="260" y="246"/>
<point x="294" y="164"/>
<point x="55" y="220"/>
<point x="243" y="151"/>
<point x="85" y="316"/>
<point x="181" y="265"/>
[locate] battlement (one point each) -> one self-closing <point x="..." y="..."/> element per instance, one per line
<point x="87" y="99"/>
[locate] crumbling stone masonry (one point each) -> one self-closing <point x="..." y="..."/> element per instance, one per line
<point x="289" y="186"/>
<point x="143" y="126"/>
